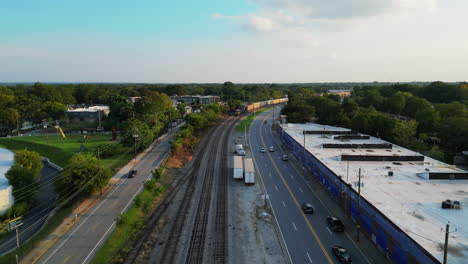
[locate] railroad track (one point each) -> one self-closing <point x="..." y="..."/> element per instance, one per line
<point x="200" y="229"/>
<point x="220" y="244"/>
<point x="199" y="232"/>
<point x="165" y="204"/>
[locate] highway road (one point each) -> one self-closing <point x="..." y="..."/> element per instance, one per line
<point x="307" y="237"/>
<point x="82" y="241"/>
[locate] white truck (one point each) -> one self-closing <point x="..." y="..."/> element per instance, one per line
<point x="240" y="150"/>
<point x="249" y="171"/>
<point x="238" y="172"/>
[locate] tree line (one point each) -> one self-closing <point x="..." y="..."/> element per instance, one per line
<point x="432" y="119"/>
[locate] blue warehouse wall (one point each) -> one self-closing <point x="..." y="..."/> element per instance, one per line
<point x="384" y="233"/>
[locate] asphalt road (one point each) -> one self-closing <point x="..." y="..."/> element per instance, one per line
<point x="82" y="241"/>
<point x="307" y="237"/>
<point x="43" y="204"/>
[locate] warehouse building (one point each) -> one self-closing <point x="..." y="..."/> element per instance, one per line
<point x="196" y="99"/>
<point x="403" y="207"/>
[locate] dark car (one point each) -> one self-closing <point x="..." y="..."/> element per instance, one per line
<point x="341" y="254"/>
<point x="335" y="224"/>
<point x="132" y="174"/>
<point x="307" y="208"/>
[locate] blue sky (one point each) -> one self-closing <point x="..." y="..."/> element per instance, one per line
<point x="241" y="41"/>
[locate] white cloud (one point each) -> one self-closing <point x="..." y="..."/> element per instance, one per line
<point x="299" y="20"/>
<point x="344" y="9"/>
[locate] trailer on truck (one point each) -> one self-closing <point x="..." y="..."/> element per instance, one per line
<point x="249" y="171"/>
<point x="238" y="171"/>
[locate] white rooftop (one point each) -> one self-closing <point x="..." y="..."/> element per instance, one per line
<point x="90" y="109"/>
<point x="410" y="201"/>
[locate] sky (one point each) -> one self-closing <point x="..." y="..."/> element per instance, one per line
<point x="243" y="41"/>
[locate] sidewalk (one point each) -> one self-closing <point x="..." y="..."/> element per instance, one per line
<point x="83" y="207"/>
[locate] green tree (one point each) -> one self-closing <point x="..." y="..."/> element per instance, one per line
<point x="453" y="109"/>
<point x="197" y="120"/>
<point x="404" y="132"/>
<point x="23" y="181"/>
<point x="30" y="161"/>
<point x="134" y="127"/>
<point x="427" y="119"/>
<point x="452" y="131"/>
<point x="54" y="110"/>
<point x="84" y="173"/>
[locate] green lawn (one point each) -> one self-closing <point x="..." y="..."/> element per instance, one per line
<point x="245" y="123"/>
<point x="59" y="150"/>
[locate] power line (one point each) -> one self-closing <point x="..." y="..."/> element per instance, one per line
<point x="32" y="190"/>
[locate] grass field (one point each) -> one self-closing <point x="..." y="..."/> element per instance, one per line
<point x="245" y="123"/>
<point x="60" y="150"/>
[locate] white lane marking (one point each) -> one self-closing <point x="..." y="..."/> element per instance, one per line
<point x="87" y="217"/>
<point x="300" y="189"/>
<point x="82" y="223"/>
<point x="113" y="223"/>
<point x="292" y="177"/>
<point x="329" y="231"/>
<point x="310" y="259"/>
<point x="276" y="187"/>
<point x="295" y="228"/>
<point x="283" y="203"/>
<point x="269" y="174"/>
<point x="272" y="208"/>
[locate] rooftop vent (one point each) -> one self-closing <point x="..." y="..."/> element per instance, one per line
<point x="380" y="158"/>
<point x="359" y="146"/>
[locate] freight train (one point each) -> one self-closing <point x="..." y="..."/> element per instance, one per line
<point x="255" y="106"/>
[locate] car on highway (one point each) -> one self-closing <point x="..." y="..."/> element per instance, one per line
<point x="341" y="254"/>
<point x="265" y="122"/>
<point x="307" y="208"/>
<point x="262" y="150"/>
<point x="284" y="157"/>
<point x="271" y="149"/>
<point x="132" y="174"/>
<point x="335" y="224"/>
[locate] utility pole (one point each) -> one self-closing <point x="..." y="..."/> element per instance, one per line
<point x="135" y="137"/>
<point x="303" y="152"/>
<point x="358" y="226"/>
<point x="447" y="232"/>
<point x="347" y="171"/>
<point x="99" y="168"/>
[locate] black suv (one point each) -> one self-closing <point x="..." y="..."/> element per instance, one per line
<point x="307" y="208"/>
<point x="132" y="174"/>
<point x="335" y="224"/>
<point x="341" y="254"/>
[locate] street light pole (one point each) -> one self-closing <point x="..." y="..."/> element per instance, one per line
<point x="447" y="228"/>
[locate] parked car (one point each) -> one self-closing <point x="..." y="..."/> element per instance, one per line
<point x="132" y="174"/>
<point x="272" y="148"/>
<point x="284" y="157"/>
<point x="335" y="224"/>
<point x="307" y="208"/>
<point x="341" y="254"/>
<point x="262" y="150"/>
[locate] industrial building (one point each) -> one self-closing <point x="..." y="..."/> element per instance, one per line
<point x="90" y="114"/>
<point x="196" y="99"/>
<point x="402" y="205"/>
